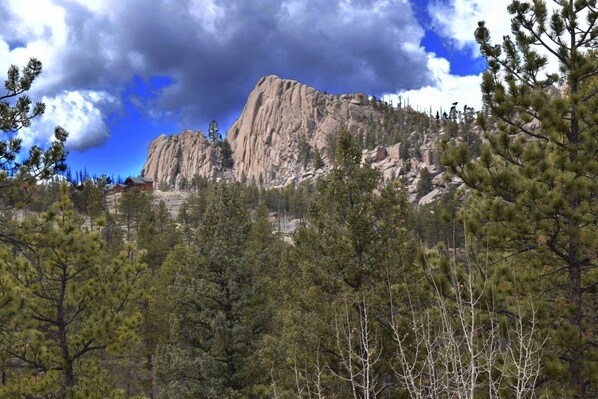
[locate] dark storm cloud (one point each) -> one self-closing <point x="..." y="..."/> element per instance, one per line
<point x="215" y="54"/>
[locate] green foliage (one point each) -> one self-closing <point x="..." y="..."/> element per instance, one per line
<point x="91" y="201"/>
<point x="318" y="162"/>
<point x="217" y="307"/>
<point x="336" y="284"/>
<point x="13" y="118"/>
<point x="74" y="303"/>
<point x="39" y="197"/>
<point x="199" y="183"/>
<point x="331" y="140"/>
<point x="396" y="125"/>
<point x="451" y="127"/>
<point x="213" y="133"/>
<point x="132" y="207"/>
<point x="183" y="184"/>
<point x="191" y="213"/>
<point x="15" y="114"/>
<point x="226" y="160"/>
<point x="533" y="186"/>
<point x="18" y="179"/>
<point x="289" y="202"/>
<point x="439" y="222"/>
<point x="305" y="153"/>
<point x="424" y="186"/>
<point x="157" y="235"/>
<point x="467" y="334"/>
<point x="113" y="234"/>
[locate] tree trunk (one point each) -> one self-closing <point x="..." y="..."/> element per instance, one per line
<point x="69" y="375"/>
<point x="575" y="318"/>
<point x="575" y="296"/>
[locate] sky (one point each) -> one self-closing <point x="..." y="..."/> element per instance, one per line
<point x="118" y="73"/>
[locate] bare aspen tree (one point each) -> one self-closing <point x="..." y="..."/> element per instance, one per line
<point x="359" y="349"/>
<point x="460" y="348"/>
<point x="308" y="381"/>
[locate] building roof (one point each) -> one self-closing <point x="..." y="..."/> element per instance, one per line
<point x="139" y="180"/>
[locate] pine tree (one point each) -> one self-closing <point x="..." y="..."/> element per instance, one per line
<point x="91" y="200"/>
<point x="424" y="186"/>
<point x="304" y="151"/>
<point x="534" y="185"/>
<point x="16" y="113"/>
<point x="226" y="155"/>
<point x="132" y="207"/>
<point x="318" y="162"/>
<point x="157" y="235"/>
<point x="213" y="133"/>
<point x="353" y="245"/>
<point x="156" y="238"/>
<point x="191" y="213"/>
<point x="73" y="305"/>
<point x="217" y="308"/>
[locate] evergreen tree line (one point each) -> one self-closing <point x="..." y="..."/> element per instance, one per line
<point x="490" y="292"/>
<point x="215" y="304"/>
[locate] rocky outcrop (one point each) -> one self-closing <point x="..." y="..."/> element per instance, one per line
<point x="275" y="139"/>
<point x="282" y="115"/>
<point x="279" y="117"/>
<point x="171" y="158"/>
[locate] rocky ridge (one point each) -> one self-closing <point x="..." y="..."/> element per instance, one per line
<point x="180" y="155"/>
<point x="283" y="122"/>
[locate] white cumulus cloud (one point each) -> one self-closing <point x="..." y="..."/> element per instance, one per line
<point x="79" y="112"/>
<point x="456" y="20"/>
<point x="447" y="89"/>
<point x="213" y="52"/>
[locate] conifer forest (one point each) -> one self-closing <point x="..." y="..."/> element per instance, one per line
<point x="490" y="291"/>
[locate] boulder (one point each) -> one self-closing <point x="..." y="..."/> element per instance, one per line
<point x="431" y="196"/>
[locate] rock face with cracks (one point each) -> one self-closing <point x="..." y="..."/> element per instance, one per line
<point x="184" y="155"/>
<point x="280" y="116"/>
<point x="275" y="138"/>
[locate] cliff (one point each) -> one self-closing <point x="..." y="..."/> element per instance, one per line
<point x="180" y="155"/>
<point x="275" y="139"/>
<point x="280" y="115"/>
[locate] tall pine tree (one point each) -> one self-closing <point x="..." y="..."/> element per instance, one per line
<point x="534" y="186"/>
<point x="354" y="244"/>
<point x="17" y="179"/>
<point x="216" y="306"/>
<point x="74" y="304"/>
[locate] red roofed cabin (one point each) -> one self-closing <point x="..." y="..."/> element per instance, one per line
<point x="135" y="183"/>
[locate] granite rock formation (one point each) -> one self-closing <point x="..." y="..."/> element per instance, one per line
<point x="282" y="115"/>
<point x="171" y="158"/>
<point x="279" y="116"/>
<point x="275" y="138"/>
